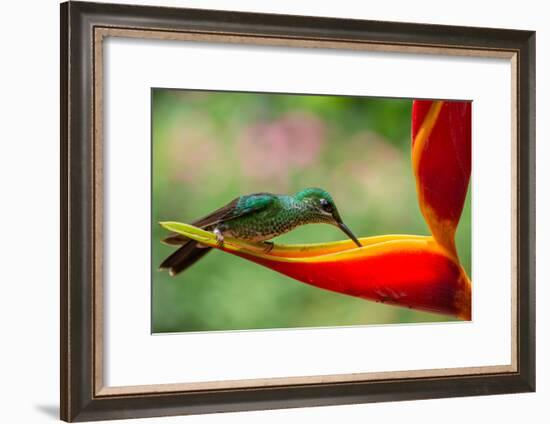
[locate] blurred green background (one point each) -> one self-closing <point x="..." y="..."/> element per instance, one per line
<point x="210" y="147"/>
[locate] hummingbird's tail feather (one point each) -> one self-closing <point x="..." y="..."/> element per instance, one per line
<point x="184" y="257"/>
<point x="175" y="240"/>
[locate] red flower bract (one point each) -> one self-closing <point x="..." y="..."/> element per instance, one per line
<point x="414" y="273"/>
<point x="441" y="156"/>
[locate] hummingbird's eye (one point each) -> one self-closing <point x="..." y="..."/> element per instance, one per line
<point x="325" y="205"/>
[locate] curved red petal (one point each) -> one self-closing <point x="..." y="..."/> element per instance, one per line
<point x="408" y="274"/>
<point x="441" y="133"/>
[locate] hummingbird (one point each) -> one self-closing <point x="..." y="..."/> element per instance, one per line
<point x="256" y="217"/>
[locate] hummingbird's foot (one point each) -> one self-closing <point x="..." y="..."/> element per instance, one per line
<point x="268" y="246"/>
<point x="219" y="237"/>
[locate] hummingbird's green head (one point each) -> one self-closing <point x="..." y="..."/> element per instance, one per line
<point x="322" y="207"/>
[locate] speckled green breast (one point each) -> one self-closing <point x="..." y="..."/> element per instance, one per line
<point x="284" y="216"/>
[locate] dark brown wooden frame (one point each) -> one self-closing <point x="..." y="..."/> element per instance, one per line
<point x="83" y="26"/>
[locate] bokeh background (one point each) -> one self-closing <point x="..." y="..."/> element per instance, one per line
<point x="210" y="147"/>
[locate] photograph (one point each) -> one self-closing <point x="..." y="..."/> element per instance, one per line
<point x="267" y="209"/>
<point x="296" y="184"/>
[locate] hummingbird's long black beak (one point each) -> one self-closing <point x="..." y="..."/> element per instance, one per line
<point x="348" y="232"/>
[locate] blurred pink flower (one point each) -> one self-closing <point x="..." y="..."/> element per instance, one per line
<point x="272" y="150"/>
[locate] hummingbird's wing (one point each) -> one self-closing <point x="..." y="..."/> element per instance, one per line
<point x="237" y="208"/>
<point x="189" y="252"/>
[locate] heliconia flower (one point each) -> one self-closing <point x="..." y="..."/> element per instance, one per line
<point x="441" y="157"/>
<point x="419" y="272"/>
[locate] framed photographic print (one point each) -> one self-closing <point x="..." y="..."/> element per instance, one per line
<point x="267" y="211"/>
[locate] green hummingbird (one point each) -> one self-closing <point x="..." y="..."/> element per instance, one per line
<point x="256" y="217"/>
